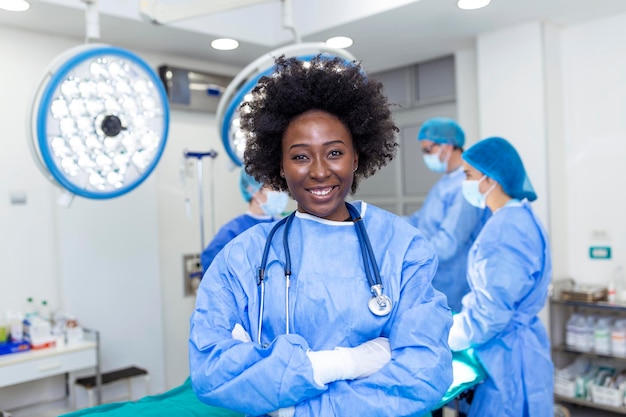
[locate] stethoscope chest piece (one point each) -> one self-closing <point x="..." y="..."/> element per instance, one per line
<point x="379" y="304"/>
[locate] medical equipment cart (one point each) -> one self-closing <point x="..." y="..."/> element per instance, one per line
<point x="561" y="310"/>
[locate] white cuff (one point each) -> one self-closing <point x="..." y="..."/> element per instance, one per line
<point x="283" y="412"/>
<point x="330" y="365"/>
<point x="457" y="338"/>
<point x="240" y="334"/>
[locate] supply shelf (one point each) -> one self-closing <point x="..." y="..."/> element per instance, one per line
<point x="590" y="404"/>
<point x="563" y="354"/>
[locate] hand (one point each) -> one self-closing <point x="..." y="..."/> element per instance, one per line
<point x="240" y="334"/>
<point x="350" y="363"/>
<point x="368" y="358"/>
<point x="283" y="412"/>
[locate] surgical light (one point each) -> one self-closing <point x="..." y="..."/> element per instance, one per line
<point x="99" y="121"/>
<point x="14" y="5"/>
<point x="229" y="107"/>
<point x="472" y="4"/>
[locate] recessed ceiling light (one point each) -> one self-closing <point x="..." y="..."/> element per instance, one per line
<point x="14" y="5"/>
<point x="339" y="42"/>
<point x="472" y="4"/>
<point x="225" y="44"/>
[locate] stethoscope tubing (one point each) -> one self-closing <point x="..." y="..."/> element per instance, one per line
<point x="287" y="267"/>
<point x="261" y="272"/>
<point x="366" y="247"/>
<point x="367" y="253"/>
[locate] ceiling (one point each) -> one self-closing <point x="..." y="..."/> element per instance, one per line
<point x="387" y="34"/>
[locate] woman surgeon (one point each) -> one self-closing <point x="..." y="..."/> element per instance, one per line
<point x="330" y="311"/>
<point x="509" y="269"/>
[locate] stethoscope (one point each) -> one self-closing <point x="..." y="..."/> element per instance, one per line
<point x="379" y="304"/>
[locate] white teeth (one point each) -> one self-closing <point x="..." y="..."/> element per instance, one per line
<point x="321" y="192"/>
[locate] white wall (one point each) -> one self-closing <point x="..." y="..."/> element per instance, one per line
<point x="594" y="84"/>
<point x="559" y="95"/>
<point x="28" y="235"/>
<point x="115" y="264"/>
<point x="465" y="73"/>
<point x="180" y="233"/>
<point x="512" y="100"/>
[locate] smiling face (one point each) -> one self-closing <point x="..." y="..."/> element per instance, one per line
<point x="318" y="164"/>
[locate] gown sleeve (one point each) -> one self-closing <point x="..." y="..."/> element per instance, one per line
<point x="227" y="233"/>
<point x="242" y="376"/>
<point x="420" y="370"/>
<point x="500" y="276"/>
<point x="457" y="226"/>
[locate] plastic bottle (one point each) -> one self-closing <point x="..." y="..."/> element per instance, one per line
<point x="30" y="309"/>
<point x="602" y="336"/>
<point x="588" y="334"/>
<point x="619" y="277"/>
<point x="618" y="338"/>
<point x="16" y="326"/>
<point x="4" y="329"/>
<point x="573" y="331"/>
<point x="611" y="293"/>
<point x="44" y="311"/>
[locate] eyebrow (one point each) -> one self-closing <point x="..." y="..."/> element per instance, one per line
<point x="306" y="145"/>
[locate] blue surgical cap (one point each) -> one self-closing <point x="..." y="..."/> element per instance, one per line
<point x="497" y="158"/>
<point x="442" y="130"/>
<point x="248" y="185"/>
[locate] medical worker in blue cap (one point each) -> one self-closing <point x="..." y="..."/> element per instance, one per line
<point x="509" y="269"/>
<point x="446" y="219"/>
<point x="264" y="206"/>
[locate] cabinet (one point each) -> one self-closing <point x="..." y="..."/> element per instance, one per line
<point x="16" y="368"/>
<point x="563" y="355"/>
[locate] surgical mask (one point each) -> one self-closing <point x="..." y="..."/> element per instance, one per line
<point x="433" y="162"/>
<point x="471" y="192"/>
<point x="275" y="203"/>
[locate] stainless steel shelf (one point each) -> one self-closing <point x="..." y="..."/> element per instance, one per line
<point x="591" y="353"/>
<point x="559" y="313"/>
<point x="600" y="305"/>
<point x="580" y="401"/>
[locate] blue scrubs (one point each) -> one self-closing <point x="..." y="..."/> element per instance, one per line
<point x="509" y="272"/>
<point x="328" y="299"/>
<point x="451" y="224"/>
<point x="228" y="232"/>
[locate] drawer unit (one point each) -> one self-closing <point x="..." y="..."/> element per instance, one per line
<point x="28" y="366"/>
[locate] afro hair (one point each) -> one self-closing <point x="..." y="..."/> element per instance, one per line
<point x="324" y="83"/>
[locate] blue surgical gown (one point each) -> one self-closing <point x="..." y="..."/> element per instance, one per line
<point x="508" y="272"/>
<point x="328" y="298"/>
<point x="228" y="232"/>
<point x="451" y="224"/>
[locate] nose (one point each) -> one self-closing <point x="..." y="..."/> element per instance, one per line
<point x="319" y="169"/>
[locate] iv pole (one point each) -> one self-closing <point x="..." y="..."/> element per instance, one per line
<point x="200" y="173"/>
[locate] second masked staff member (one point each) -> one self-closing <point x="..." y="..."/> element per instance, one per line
<point x="446" y="219"/>
<point x="264" y="206"/>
